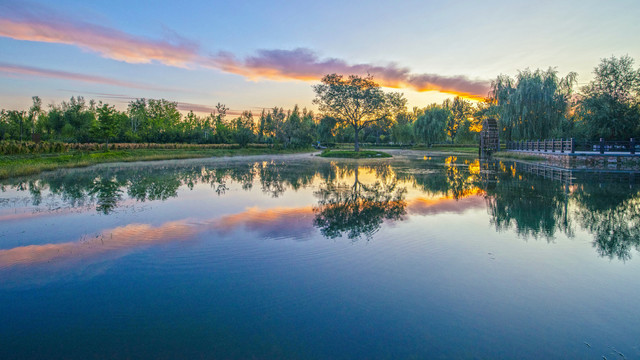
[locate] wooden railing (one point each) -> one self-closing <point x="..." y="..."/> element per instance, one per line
<point x="571" y="146"/>
<point x="553" y="145"/>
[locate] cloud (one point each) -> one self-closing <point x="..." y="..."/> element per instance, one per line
<point x="305" y="64"/>
<point x="18" y="22"/>
<point x="422" y="206"/>
<point x="13" y="69"/>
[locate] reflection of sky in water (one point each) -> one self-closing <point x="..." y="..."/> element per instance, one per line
<point x="477" y="263"/>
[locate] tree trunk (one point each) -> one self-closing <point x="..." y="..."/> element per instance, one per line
<point x="356" y="146"/>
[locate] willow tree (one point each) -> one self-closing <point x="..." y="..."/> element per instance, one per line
<point x="610" y="104"/>
<point x="356" y="101"/>
<point x="534" y="104"/>
<point x="430" y="127"/>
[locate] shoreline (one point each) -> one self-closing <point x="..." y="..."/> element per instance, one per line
<point x="12" y="166"/>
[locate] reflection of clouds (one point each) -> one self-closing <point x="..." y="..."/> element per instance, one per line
<point x="422" y="206"/>
<point x="266" y="223"/>
<point x="277" y="222"/>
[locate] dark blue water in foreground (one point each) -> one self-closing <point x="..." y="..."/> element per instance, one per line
<point x="306" y="258"/>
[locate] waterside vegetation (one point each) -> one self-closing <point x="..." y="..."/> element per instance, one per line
<point x="533" y="105"/>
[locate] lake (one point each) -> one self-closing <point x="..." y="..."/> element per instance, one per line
<point x="300" y="257"/>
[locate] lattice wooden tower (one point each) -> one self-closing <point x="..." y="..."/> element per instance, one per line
<point x="489" y="139"/>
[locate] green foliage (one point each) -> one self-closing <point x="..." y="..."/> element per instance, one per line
<point x="107" y="125"/>
<point x="356" y="101"/>
<point x="243" y="129"/>
<point x="610" y="104"/>
<point x="430" y="127"/>
<point x="402" y="129"/>
<point x="534" y="105"/>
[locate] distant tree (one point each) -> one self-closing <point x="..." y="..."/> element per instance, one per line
<point x="222" y="130"/>
<point x="137" y="114"/>
<point x="609" y="104"/>
<point x="106" y="126"/>
<point x="356" y="101"/>
<point x="16" y="122"/>
<point x="402" y="129"/>
<point x="460" y="111"/>
<point x="243" y="129"/>
<point x="430" y="127"/>
<point x="79" y="117"/>
<point x="325" y="129"/>
<point x="35" y="112"/>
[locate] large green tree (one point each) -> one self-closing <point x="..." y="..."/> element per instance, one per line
<point x="534" y="104"/>
<point x="430" y="127"/>
<point x="610" y="104"/>
<point x="356" y="101"/>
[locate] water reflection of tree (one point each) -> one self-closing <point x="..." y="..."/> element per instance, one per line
<point x="108" y="193"/>
<point x="456" y="179"/>
<point x="359" y="209"/>
<point x="536" y="206"/>
<point x="612" y="214"/>
<point x="533" y="206"/>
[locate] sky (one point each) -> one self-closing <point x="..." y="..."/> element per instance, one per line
<point x="252" y="55"/>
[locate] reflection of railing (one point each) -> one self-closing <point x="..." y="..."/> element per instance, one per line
<point x="548" y="172"/>
<point x="577" y="176"/>
<point x="572" y="145"/>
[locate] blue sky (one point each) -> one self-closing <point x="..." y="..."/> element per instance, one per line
<point x="255" y="54"/>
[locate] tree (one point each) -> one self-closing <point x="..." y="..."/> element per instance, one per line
<point x="534" y="104"/>
<point x="243" y="129"/>
<point x="609" y="105"/>
<point x="356" y="101"/>
<point x="460" y="110"/>
<point x="107" y="125"/>
<point x="325" y="129"/>
<point x="401" y="130"/>
<point x="35" y="112"/>
<point x="430" y="127"/>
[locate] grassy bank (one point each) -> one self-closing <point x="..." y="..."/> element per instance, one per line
<point x="362" y="154"/>
<point x="518" y="156"/>
<point x="449" y="149"/>
<point x="19" y="165"/>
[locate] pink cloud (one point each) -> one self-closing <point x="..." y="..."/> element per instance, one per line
<point x="56" y="74"/>
<point x="20" y="24"/>
<point x="297" y="64"/>
<point x="304" y="64"/>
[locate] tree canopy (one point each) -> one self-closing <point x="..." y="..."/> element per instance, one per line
<point x="610" y="103"/>
<point x="356" y="101"/>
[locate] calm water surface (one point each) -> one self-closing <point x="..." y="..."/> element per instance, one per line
<point x="412" y="257"/>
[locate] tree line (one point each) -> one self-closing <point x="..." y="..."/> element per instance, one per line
<point x="532" y="105"/>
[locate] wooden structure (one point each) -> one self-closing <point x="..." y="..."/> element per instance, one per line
<point x="489" y="140"/>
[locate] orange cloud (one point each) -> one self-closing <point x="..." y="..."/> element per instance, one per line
<point x="304" y="64"/>
<point x="421" y="206"/>
<point x="272" y="223"/>
<point x="278" y="222"/>
<point x="21" y="23"/>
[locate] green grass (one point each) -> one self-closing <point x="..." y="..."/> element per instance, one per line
<point x="20" y="165"/>
<point x="362" y="154"/>
<point x="448" y="149"/>
<point x="518" y="156"/>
